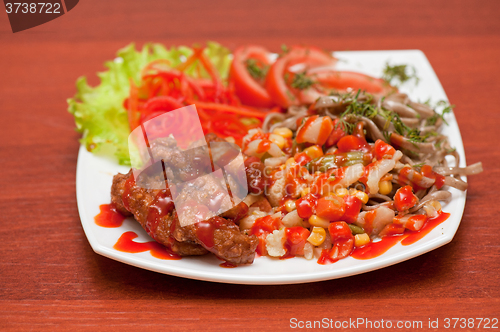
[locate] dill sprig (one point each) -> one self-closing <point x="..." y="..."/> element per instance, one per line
<point x="256" y="69"/>
<point x="301" y="81"/>
<point x="400" y="73"/>
<point x="431" y="121"/>
<point x="365" y="108"/>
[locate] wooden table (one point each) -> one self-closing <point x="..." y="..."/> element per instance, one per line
<point x="51" y="279"/>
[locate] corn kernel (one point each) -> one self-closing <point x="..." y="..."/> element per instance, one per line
<point x="435" y="204"/>
<point x="290" y="162"/>
<point x="341" y="192"/>
<point x="278" y="140"/>
<point x="385" y="187"/>
<point x="317" y="236"/>
<point x="432" y="208"/>
<point x="304" y="191"/>
<point x="283" y="132"/>
<point x="362" y="196"/>
<point x="313" y="151"/>
<point x="361" y="239"/>
<point x="230" y="139"/>
<point x="290" y="205"/>
<point x="314" y="220"/>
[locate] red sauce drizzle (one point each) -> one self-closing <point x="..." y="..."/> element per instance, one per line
<point x="428" y="226"/>
<point x="325" y="258"/>
<point x="205" y="230"/>
<point x="126" y="244"/>
<point x="303" y="130"/>
<point x="109" y="216"/>
<point x="306" y="206"/>
<point x="263" y="146"/>
<point x="227" y="265"/>
<point x="161" y="206"/>
<point x="126" y="192"/>
<point x="375" y="249"/>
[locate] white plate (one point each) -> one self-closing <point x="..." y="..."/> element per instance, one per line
<point x="94" y="178"/>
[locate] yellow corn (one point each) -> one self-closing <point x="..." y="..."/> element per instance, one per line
<point x="278" y="140"/>
<point x="363" y="197"/>
<point x="361" y="239"/>
<point x="384" y="187"/>
<point x="290" y="162"/>
<point x="317" y="236"/>
<point x="304" y="191"/>
<point x="283" y="132"/>
<point x="341" y="192"/>
<point x="435" y="204"/>
<point x="314" y="151"/>
<point x="290" y="205"/>
<point x="432" y="208"/>
<point x="230" y="139"/>
<point x="314" y="220"/>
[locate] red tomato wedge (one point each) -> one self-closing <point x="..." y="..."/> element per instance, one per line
<point x="342" y="80"/>
<point x="276" y="84"/>
<point x="327" y="80"/>
<point x="250" y="91"/>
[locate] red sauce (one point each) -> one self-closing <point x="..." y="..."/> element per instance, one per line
<point x="369" y="218"/>
<point x="109" y="216"/>
<point x="205" y="230"/>
<point x="325" y="130"/>
<point x="261" y="228"/>
<point x="294" y="178"/>
<point x="325" y="258"/>
<point x="306" y="206"/>
<point x="295" y="239"/>
<point x="161" y="206"/>
<point x="438" y="178"/>
<point x="264" y="146"/>
<point x="126" y="192"/>
<point x="375" y="249"/>
<point x="352" y="207"/>
<point x="302" y="158"/>
<point x="404" y="198"/>
<point x="126" y="244"/>
<point x="352" y="143"/>
<point x="227" y="265"/>
<point x="428" y="226"/>
<point x="303" y="130"/>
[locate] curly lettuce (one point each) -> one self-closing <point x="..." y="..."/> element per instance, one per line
<point x="99" y="112"/>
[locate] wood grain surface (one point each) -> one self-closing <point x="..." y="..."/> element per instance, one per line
<point x="50" y="279"/>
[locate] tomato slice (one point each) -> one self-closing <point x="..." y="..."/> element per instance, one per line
<point x="250" y="91"/>
<point x="307" y="57"/>
<point x="343" y="80"/>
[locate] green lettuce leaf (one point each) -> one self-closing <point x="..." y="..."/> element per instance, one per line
<point x="99" y="112"/>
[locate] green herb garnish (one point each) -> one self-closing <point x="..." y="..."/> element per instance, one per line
<point x="301" y="81"/>
<point x="447" y="109"/>
<point x="401" y="73"/>
<point x="256" y="69"/>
